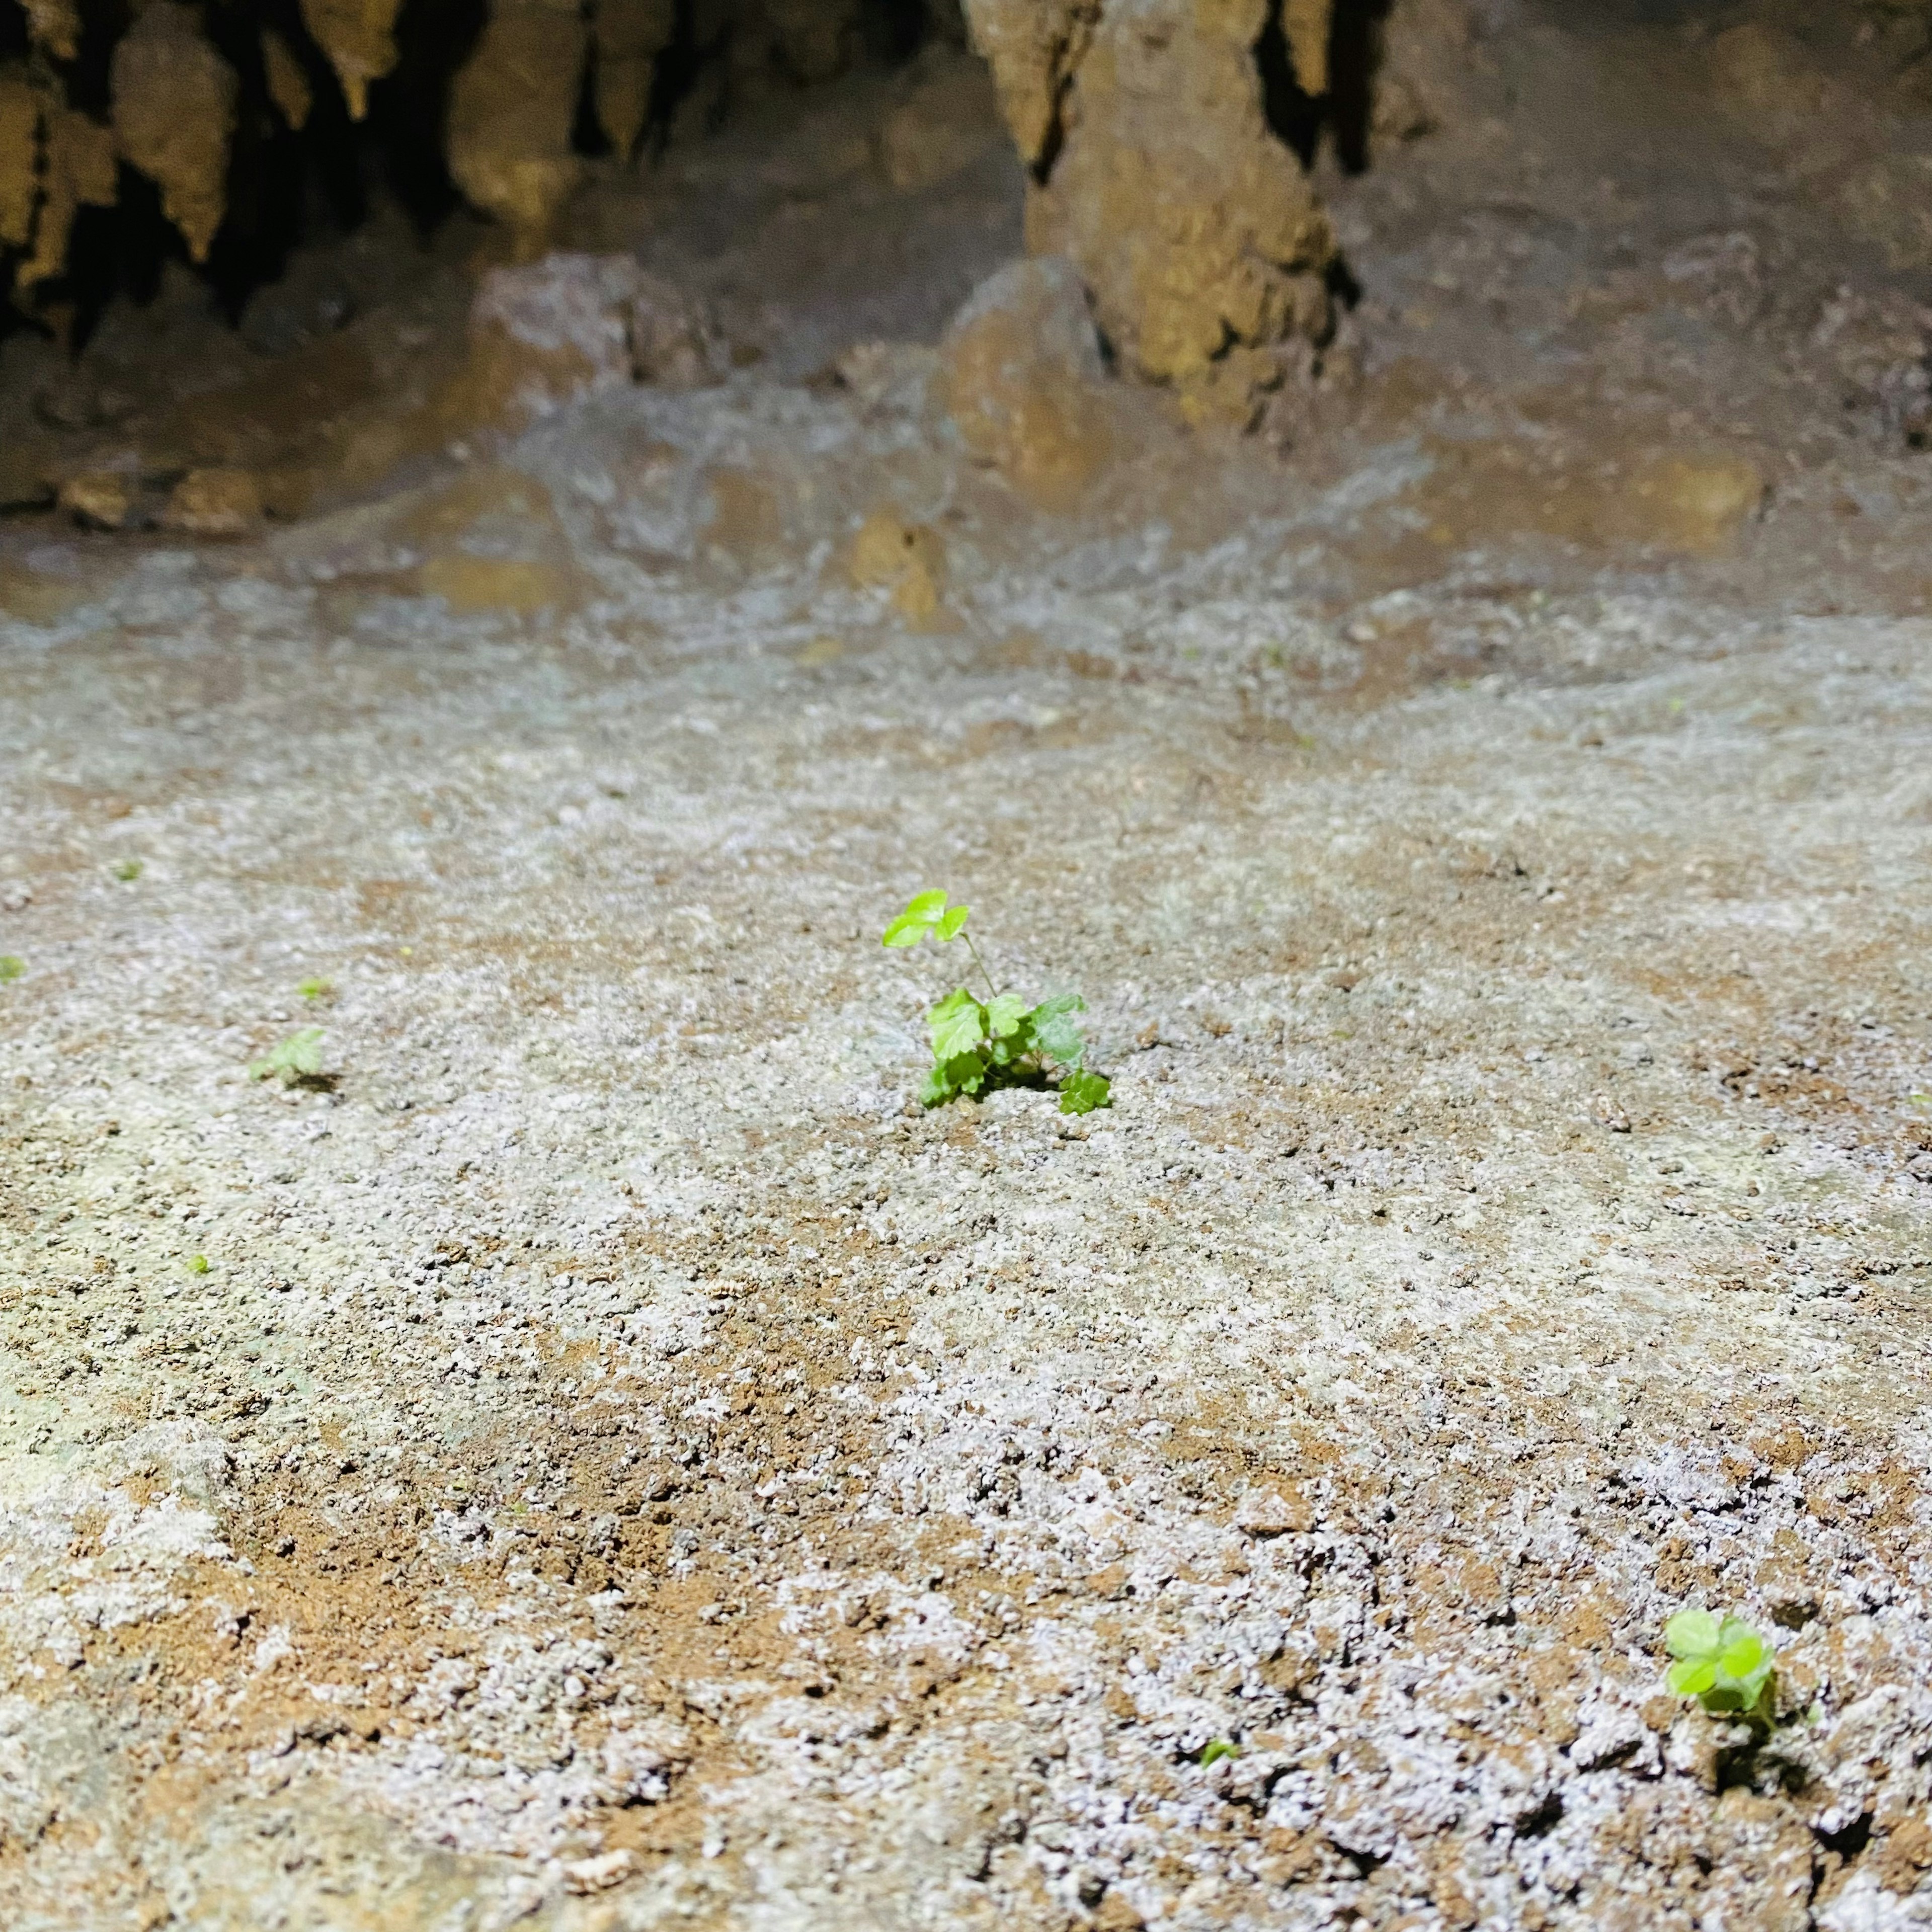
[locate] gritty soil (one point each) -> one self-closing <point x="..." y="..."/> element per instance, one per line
<point x="599" y="1456"/>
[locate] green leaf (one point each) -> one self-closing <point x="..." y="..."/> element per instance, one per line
<point x="953" y="924"/>
<point x="1006" y="1015"/>
<point x="11" y="968"/>
<point x="1081" y="1093"/>
<point x="1058" y="1032"/>
<point x="1691" y="1634"/>
<point x="956" y="1025"/>
<point x="948" y="1079"/>
<point x="1726" y="1665"/>
<point x="1691" y="1676"/>
<point x="128" y="871"/>
<point x="297" y="1057"/>
<point x="198" y="1265"/>
<point x="1213" y="1753"/>
<point x="315" y="989"/>
<point x="923" y="911"/>
<point x="1744" y="1650"/>
<point x="1011" y="1048"/>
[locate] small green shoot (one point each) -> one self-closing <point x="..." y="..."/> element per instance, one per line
<point x="128" y="871"/>
<point x="1214" y="1751"/>
<point x="1000" y="1041"/>
<point x="11" y="968"/>
<point x="1722" y="1662"/>
<point x="297" y="1057"/>
<point x="198" y="1265"/>
<point x="313" y="990"/>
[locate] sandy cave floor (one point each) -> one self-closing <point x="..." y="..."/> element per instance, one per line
<point x="625" y="1465"/>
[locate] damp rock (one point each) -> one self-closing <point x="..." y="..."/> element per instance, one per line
<point x="174" y="115"/>
<point x="511" y="110"/>
<point x="907" y="560"/>
<point x="1023" y="375"/>
<point x="224" y="503"/>
<point x="1157" y="173"/>
<point x="546" y="334"/>
<point x="358" y="37"/>
<point x="949" y="118"/>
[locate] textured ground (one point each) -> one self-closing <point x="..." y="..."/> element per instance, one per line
<point x="624" y="1465"/>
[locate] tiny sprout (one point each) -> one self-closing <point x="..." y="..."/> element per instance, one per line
<point x="11" y="968"/>
<point x="316" y="989"/>
<point x="1213" y="1752"/>
<point x="1723" y="1663"/>
<point x="198" y="1265"/>
<point x="128" y="871"/>
<point x="297" y="1057"/>
<point x="1000" y="1041"/>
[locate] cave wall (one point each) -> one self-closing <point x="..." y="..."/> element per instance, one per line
<point x="221" y="116"/>
<point x="1143" y="124"/>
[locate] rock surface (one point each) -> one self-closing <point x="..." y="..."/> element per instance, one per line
<point x="1156" y="171"/>
<point x="174" y="113"/>
<point x="594" y="1455"/>
<point x="511" y="109"/>
<point x="1024" y="376"/>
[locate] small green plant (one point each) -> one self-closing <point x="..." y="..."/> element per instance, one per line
<point x="1000" y="1041"/>
<point x="1216" y="1750"/>
<point x="1722" y="1662"/>
<point x="128" y="871"/>
<point x="313" y="990"/>
<point x="198" y="1265"/>
<point x="297" y="1057"/>
<point x="11" y="968"/>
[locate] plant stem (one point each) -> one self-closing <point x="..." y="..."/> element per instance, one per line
<point x="981" y="964"/>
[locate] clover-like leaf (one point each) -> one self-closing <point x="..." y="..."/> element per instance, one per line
<point x="1692" y="1676"/>
<point x="1007" y="1014"/>
<point x="1058" y="1032"/>
<point x="1081" y="1093"/>
<point x="953" y="924"/>
<point x="1691" y="1634"/>
<point x="924" y="911"/>
<point x="11" y="967"/>
<point x="297" y="1057"/>
<point x="1725" y="1664"/>
<point x="1216" y="1749"/>
<point x="956" y="1025"/>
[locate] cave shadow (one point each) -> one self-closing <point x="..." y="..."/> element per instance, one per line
<point x="1345" y="112"/>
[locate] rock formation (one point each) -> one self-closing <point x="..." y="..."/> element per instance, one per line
<point x="510" y="115"/>
<point x="1154" y="169"/>
<point x="1022" y="369"/>
<point x="1142" y="123"/>
<point x="174" y="115"/>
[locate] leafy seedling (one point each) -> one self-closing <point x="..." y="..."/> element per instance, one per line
<point x="128" y="871"/>
<point x="11" y="968"/>
<point x="297" y="1057"/>
<point x="1722" y="1662"/>
<point x="198" y="1265"/>
<point x="1214" y="1751"/>
<point x="1000" y="1041"/>
<point x="313" y="990"/>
